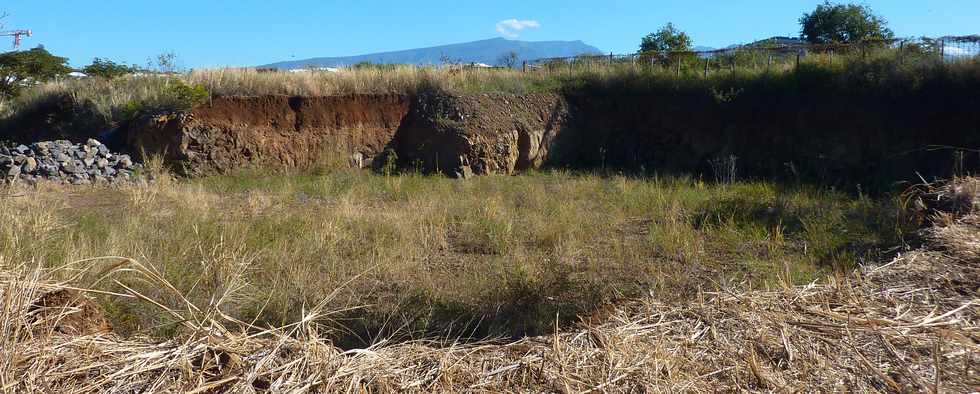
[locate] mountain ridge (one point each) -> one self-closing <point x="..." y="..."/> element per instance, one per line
<point x="487" y="51"/>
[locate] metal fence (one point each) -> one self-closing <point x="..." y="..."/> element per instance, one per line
<point x="782" y="50"/>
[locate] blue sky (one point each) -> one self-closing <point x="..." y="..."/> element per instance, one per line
<point x="209" y="33"/>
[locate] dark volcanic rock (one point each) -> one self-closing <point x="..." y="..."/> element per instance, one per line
<point x="63" y="161"/>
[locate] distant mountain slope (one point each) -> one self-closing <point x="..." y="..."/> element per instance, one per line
<point x="484" y="51"/>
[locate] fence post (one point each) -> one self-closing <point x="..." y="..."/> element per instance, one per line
<point x="677" y="68"/>
<point x="799" y="52"/>
<point x="942" y="51"/>
<point x="706" y="63"/>
<point x="524" y="66"/>
<point x="610" y="58"/>
<point x="769" y="63"/>
<point x="901" y="52"/>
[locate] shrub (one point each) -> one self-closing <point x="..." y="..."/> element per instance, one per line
<point x="105" y="68"/>
<point x="187" y="96"/>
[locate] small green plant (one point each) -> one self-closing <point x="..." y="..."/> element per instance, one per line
<point x="390" y="162"/>
<point x="131" y="110"/>
<point x="187" y="96"/>
<point x="723" y="96"/>
<point x="175" y="96"/>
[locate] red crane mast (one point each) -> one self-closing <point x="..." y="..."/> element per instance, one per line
<point x="18" y="35"/>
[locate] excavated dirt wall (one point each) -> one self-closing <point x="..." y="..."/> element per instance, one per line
<point x="863" y="137"/>
<point x="826" y="137"/>
<point x="822" y="136"/>
<point x="272" y="132"/>
<point x="460" y="135"/>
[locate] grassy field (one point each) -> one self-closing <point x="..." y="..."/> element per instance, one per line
<point x="412" y="256"/>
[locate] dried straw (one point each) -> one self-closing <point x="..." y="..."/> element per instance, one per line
<point x="908" y="325"/>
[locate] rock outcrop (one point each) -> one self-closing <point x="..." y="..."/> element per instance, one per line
<point x="459" y="135"/>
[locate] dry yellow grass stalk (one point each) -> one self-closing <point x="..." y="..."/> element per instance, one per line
<point x="908" y="325"/>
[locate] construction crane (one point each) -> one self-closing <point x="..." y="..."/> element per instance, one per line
<point x="18" y="35"/>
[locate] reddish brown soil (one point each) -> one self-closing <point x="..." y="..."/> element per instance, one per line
<point x="834" y="139"/>
<point x="69" y="312"/>
<point x="273" y="132"/>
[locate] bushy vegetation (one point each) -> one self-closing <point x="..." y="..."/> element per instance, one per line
<point x="416" y="255"/>
<point x="22" y="69"/>
<point x="668" y="39"/>
<point x="108" y="69"/>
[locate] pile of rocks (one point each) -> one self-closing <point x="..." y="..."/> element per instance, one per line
<point x="63" y="161"/>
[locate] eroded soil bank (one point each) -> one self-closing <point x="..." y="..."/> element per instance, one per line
<point x="866" y="137"/>
<point x="271" y="132"/>
<point x="858" y="139"/>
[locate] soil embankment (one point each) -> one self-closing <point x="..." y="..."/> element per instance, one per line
<point x="867" y="136"/>
<point x="460" y="135"/>
<point x="826" y="137"/>
<point x="272" y="132"/>
<point x="863" y="137"/>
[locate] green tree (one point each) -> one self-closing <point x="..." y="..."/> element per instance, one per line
<point x="108" y="69"/>
<point x="22" y="68"/>
<point x="668" y="39"/>
<point x="843" y="23"/>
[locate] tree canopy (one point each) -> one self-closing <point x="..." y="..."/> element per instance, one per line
<point x="19" y="68"/>
<point x="668" y="38"/>
<point x="843" y="23"/>
<point x="108" y="69"/>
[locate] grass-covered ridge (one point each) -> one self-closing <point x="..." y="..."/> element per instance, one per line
<point x="421" y="256"/>
<point x="886" y="70"/>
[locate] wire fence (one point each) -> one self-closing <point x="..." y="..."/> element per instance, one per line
<point x="780" y="51"/>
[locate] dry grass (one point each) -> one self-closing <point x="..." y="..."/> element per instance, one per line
<point x="428" y="256"/>
<point x="110" y="98"/>
<point x="885" y="68"/>
<point x="908" y="325"/>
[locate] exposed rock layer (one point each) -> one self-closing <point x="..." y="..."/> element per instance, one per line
<point x="479" y="134"/>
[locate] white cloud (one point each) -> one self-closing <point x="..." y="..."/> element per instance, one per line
<point x="511" y="28"/>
